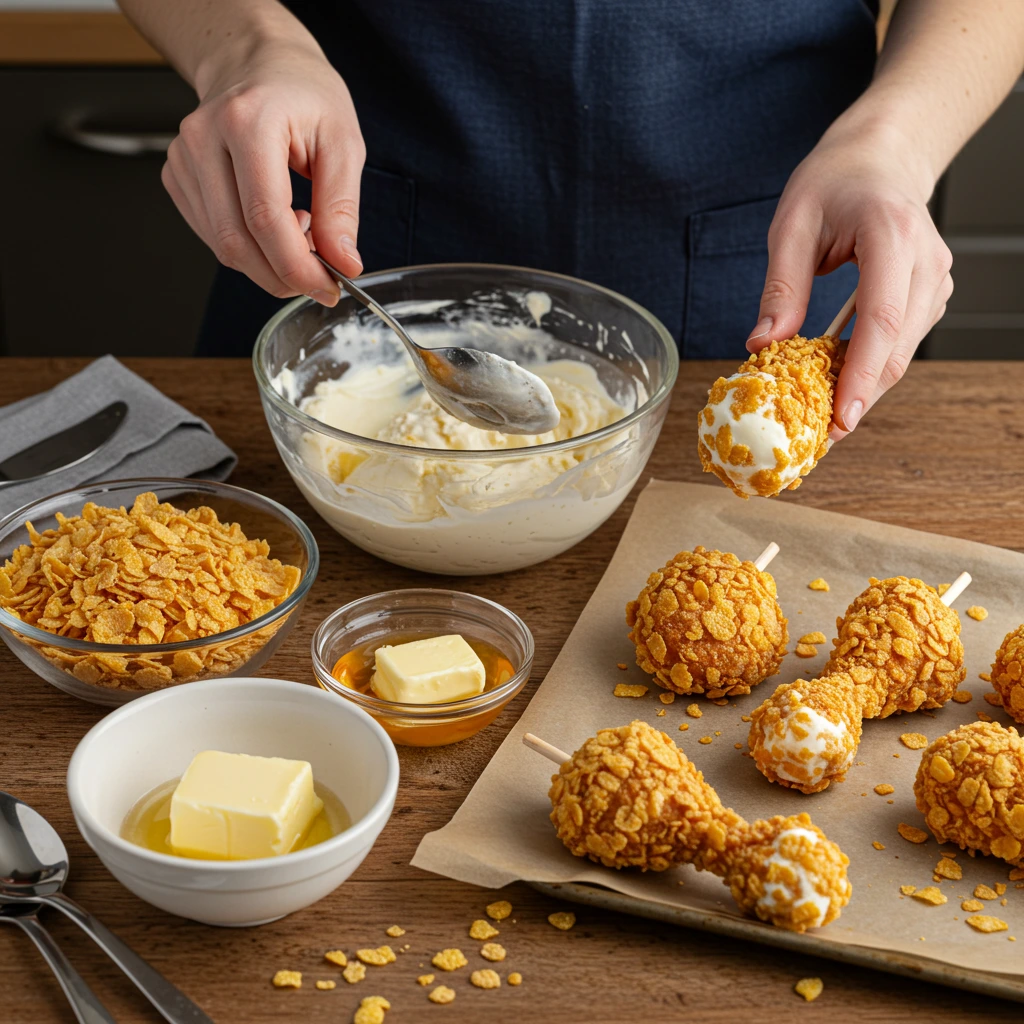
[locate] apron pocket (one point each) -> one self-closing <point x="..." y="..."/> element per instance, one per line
<point x="387" y="215"/>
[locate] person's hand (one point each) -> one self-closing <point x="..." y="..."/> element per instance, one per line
<point x="283" y="107"/>
<point x="862" y="199"/>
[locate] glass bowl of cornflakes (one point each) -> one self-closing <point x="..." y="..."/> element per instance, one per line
<point x="118" y="589"/>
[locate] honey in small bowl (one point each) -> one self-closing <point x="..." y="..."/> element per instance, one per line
<point x="148" y="823"/>
<point x="355" y="669"/>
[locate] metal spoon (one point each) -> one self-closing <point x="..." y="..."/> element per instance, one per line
<point x="85" y="1003"/>
<point x="34" y="868"/>
<point x="478" y="387"/>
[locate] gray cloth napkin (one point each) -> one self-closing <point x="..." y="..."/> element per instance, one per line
<point x="157" y="438"/>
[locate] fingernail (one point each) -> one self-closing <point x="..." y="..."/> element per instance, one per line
<point x="852" y="415"/>
<point x="764" y="325"/>
<point x="348" y="246"/>
<point x="324" y="298"/>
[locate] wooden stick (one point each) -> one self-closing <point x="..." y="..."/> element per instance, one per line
<point x="764" y="559"/>
<point x="543" y="747"/>
<point x="956" y="588"/>
<point x="843" y="317"/>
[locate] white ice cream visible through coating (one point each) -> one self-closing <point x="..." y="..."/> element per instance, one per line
<point x="818" y="729"/>
<point x="794" y="895"/>
<point x="761" y="432"/>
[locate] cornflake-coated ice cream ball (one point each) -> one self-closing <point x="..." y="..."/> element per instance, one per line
<point x="1008" y="673"/>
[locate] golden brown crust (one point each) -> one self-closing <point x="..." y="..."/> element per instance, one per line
<point x="788" y="743"/>
<point x="800" y="393"/>
<point x="899" y="639"/>
<point x="1007" y="672"/>
<point x="708" y="623"/>
<point x="970" y="788"/>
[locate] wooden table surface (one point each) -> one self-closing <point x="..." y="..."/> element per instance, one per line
<point x="942" y="453"/>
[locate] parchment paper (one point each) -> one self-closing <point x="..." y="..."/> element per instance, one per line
<point x="502" y="832"/>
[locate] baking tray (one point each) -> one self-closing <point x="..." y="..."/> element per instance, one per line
<point x="922" y="968"/>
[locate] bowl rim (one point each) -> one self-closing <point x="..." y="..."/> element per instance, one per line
<point x="19" y="515"/>
<point x="270" y="394"/>
<point x="424" y="712"/>
<point x="252" y="684"/>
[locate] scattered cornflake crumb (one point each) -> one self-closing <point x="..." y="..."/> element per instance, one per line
<point x="325" y="986"/>
<point x="908" y="890"/>
<point x="629" y="690"/>
<point x="877" y="845"/>
<point x="498" y="911"/>
<point x="425" y="980"/>
<point x="622" y="666"/>
<point x="492" y="951"/>
<point x="890" y="801"/>
<point x="694" y="711"/>
<point x="371" y="1010"/>
<point x="947" y="868"/>
<point x="806" y="650"/>
<point x="481" y="930"/>
<point x="985" y="923"/>
<point x="948" y="853"/>
<point x="911" y="834"/>
<point x="744" y="718"/>
<point x="377" y="957"/>
<point x="449" y="959"/>
<point x="983" y="892"/>
<point x="972" y="905"/>
<point x="985" y="677"/>
<point x="994" y="699"/>
<point x="666" y="696"/>
<point x="982" y="717"/>
<point x="354" y="972"/>
<point x="813" y="638"/>
<point x="738" y="746"/>
<point x="288" y="979"/>
<point x="977" y="612"/>
<point x="336" y="956"/>
<point x="818" y="584"/>
<point x="942" y="588"/>
<point x="1016" y="874"/>
<point x="930" y="894"/>
<point x="914" y="740"/>
<point x="705" y="740"/>
<point x="442" y="994"/>
<point x="722" y="702"/>
<point x="1003" y="902"/>
<point x="809" y="988"/>
<point x="963" y="696"/>
<point x="485" y="978"/>
<point x="395" y="931"/>
<point x="884" y="789"/>
<point x="684" y="727"/>
<point x="515" y="978"/>
<point x="718" y="732"/>
<point x="563" y="920"/>
<point x="895" y="755"/>
<point x="1000" y="888"/>
<point x="660" y="714"/>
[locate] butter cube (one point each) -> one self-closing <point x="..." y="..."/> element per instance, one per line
<point x="237" y="807"/>
<point x="440" y="668"/>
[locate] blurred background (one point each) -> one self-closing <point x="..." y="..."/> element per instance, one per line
<point x="94" y="257"/>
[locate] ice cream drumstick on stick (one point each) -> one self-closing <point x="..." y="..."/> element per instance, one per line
<point x="707" y="622"/>
<point x="898" y="649"/>
<point x="629" y="797"/>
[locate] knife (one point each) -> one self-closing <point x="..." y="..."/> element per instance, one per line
<point x="66" y="448"/>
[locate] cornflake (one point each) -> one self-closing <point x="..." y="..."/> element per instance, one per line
<point x="288" y="979"/>
<point x="395" y="931"/>
<point x="325" y="986"/>
<point x="994" y="699"/>
<point x="914" y="740"/>
<point x="972" y="905"/>
<point x="809" y="988"/>
<point x="694" y="711"/>
<point x="983" y="892"/>
<point x="485" y="978"/>
<point x="948" y="868"/>
<point x="481" y="929"/>
<point x="354" y="972"/>
<point x="877" y="845"/>
<point x="884" y="789"/>
<point x="977" y="613"/>
<point x="818" y="584"/>
<point x="515" y="978"/>
<point x="908" y="890"/>
<point x="371" y="1010"/>
<point x="425" y="979"/>
<point x="911" y="834"/>
<point x="985" y="923"/>
<point x="813" y="638"/>
<point x="930" y="894"/>
<point x="336" y="956"/>
<point x="563" y="920"/>
<point x="498" y="911"/>
<point x="492" y="951"/>
<point x="705" y="740"/>
<point x="629" y="690"/>
<point x="666" y="696"/>
<point x="377" y="957"/>
<point x="449" y="959"/>
<point x="963" y="696"/>
<point x="806" y="650"/>
<point x="441" y="995"/>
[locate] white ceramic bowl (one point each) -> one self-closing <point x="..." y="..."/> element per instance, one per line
<point x="153" y="739"/>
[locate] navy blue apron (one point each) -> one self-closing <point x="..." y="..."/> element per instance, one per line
<point x="641" y="144"/>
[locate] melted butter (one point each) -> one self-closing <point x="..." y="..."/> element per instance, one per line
<point x="148" y="823"/>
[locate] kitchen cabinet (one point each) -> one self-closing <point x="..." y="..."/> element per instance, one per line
<point x="94" y="256"/>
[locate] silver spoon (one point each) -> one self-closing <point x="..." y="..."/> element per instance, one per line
<point x="478" y="387"/>
<point x="33" y="870"/>
<point x="85" y="1003"/>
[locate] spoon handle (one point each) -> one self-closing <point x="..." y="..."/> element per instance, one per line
<point x="86" y="1004"/>
<point x="170" y="1001"/>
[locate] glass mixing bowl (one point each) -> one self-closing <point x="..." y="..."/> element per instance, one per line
<point x="467" y="512"/>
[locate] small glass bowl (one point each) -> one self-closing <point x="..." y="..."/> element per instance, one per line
<point x="131" y="670"/>
<point x="438" y="612"/>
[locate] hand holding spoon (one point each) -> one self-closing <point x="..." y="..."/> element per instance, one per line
<point x="478" y="387"/>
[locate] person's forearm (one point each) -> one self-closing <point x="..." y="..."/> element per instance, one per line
<point x="200" y="37"/>
<point x="944" y="67"/>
